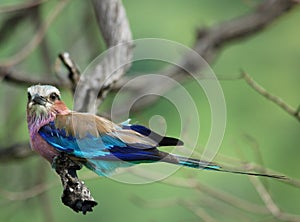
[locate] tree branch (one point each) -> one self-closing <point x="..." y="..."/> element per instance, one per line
<point x="11" y="23"/>
<point x="114" y="24"/>
<point x="36" y="40"/>
<point x="74" y="72"/>
<point x="275" y="99"/>
<point x="75" y="195"/>
<point x="209" y="43"/>
<point x="15" y="152"/>
<point x="116" y="32"/>
<point x="270" y="204"/>
<point x="21" y="79"/>
<point x="21" y="6"/>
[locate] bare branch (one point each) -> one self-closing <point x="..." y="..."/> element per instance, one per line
<point x="44" y="48"/>
<point x="197" y="185"/>
<point x="75" y="195"/>
<point x="22" y="79"/>
<point x="15" y="152"/>
<point x="275" y="99"/>
<point x="186" y="203"/>
<point x="74" y="73"/>
<point x="198" y="211"/>
<point x="21" y="6"/>
<point x="116" y="32"/>
<point x="27" y="194"/>
<point x="210" y="42"/>
<point x="37" y="189"/>
<point x="193" y="183"/>
<point x="11" y="23"/>
<point x="259" y="168"/>
<point x="270" y="204"/>
<point x="36" y="40"/>
<point x="192" y="205"/>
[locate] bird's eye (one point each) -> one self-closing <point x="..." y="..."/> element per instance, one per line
<point x="29" y="96"/>
<point x="53" y="97"/>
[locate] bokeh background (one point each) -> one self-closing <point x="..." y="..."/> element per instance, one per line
<point x="257" y="131"/>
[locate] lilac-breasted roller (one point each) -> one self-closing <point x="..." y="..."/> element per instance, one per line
<point x="99" y="144"/>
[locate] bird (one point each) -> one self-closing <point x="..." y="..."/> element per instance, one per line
<point x="96" y="142"/>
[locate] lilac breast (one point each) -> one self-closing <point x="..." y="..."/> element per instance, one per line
<point x="42" y="147"/>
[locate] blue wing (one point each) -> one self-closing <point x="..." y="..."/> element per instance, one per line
<point x="105" y="147"/>
<point x="103" y="152"/>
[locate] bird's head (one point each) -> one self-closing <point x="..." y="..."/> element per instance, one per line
<point x="44" y="101"/>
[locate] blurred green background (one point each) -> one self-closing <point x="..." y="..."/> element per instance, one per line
<point x="271" y="57"/>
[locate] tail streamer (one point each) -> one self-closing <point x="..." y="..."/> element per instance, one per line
<point x="200" y="164"/>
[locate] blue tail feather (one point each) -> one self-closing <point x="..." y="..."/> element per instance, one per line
<point x="200" y="164"/>
<point x="195" y="163"/>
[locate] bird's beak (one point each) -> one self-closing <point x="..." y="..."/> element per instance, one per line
<point x="37" y="99"/>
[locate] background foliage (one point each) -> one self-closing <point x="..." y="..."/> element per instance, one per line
<point x="270" y="57"/>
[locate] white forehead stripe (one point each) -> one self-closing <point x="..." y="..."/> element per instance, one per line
<point x="43" y="90"/>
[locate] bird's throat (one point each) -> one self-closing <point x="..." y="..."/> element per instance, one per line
<point x="36" y="120"/>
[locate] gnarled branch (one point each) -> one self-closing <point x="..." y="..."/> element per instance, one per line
<point x="75" y="195"/>
<point x="113" y="23"/>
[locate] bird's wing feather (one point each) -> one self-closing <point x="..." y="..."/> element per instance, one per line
<point x="161" y="140"/>
<point x="104" y="145"/>
<point x="89" y="136"/>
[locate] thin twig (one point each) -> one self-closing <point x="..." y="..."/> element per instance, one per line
<point x="44" y="48"/>
<point x="38" y="189"/>
<point x="11" y="23"/>
<point x="74" y="72"/>
<point x="186" y="203"/>
<point x="26" y="194"/>
<point x="23" y="79"/>
<point x="36" y="39"/>
<point x="198" y="211"/>
<point x="195" y="184"/>
<point x="275" y="99"/>
<point x="21" y="6"/>
<point x="270" y="204"/>
<point x="192" y="205"/>
<point x="227" y="198"/>
<point x="259" y="168"/>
